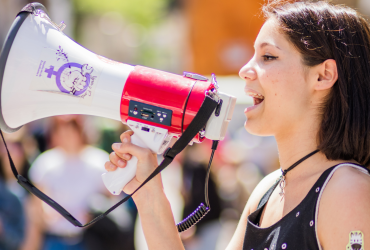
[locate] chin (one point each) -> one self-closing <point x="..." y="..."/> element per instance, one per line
<point x="255" y="128"/>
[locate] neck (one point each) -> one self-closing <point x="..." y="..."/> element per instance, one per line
<point x="293" y="148"/>
<point x="296" y="144"/>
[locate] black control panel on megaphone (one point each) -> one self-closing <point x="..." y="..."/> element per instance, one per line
<point x="150" y="113"/>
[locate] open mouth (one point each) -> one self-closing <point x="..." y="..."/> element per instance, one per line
<point x="257" y="98"/>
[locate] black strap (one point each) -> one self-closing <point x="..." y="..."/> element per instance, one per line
<point x="199" y="121"/>
<point x="267" y="195"/>
<point x="264" y="200"/>
<point x="299" y="161"/>
<point x="185" y="105"/>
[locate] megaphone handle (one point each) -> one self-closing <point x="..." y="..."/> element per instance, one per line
<point x="115" y="181"/>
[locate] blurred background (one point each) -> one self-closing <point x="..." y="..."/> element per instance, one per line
<point x="64" y="156"/>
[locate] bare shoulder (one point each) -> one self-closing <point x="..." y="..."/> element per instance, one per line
<point x="347" y="185"/>
<point x="264" y="185"/>
<point x="344" y="208"/>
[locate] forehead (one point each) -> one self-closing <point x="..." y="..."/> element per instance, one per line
<point x="271" y="34"/>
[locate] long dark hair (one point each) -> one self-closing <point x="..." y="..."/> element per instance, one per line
<point x="321" y="31"/>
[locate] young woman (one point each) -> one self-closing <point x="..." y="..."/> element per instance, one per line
<point x="310" y="78"/>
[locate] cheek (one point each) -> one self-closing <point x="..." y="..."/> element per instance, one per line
<point x="274" y="87"/>
<point x="284" y="92"/>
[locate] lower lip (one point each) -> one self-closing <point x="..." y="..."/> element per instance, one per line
<point x="251" y="108"/>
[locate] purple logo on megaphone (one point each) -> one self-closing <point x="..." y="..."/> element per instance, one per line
<point x="71" y="78"/>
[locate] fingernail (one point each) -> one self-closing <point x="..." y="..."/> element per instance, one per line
<point x="124" y="140"/>
<point x="121" y="163"/>
<point x="116" y="146"/>
<point x="126" y="157"/>
<point x="112" y="166"/>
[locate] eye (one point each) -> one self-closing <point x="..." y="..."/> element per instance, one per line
<point x="269" y="58"/>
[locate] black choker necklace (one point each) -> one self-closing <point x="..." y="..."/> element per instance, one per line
<point x="282" y="178"/>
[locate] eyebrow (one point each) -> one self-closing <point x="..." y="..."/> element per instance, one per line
<point x="267" y="44"/>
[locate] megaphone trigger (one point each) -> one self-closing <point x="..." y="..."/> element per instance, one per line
<point x="145" y="136"/>
<point x="116" y="180"/>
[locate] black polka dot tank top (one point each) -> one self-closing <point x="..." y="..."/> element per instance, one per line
<point x="297" y="229"/>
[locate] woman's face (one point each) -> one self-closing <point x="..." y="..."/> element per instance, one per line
<point x="275" y="73"/>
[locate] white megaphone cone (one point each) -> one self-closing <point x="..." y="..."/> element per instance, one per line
<point x="42" y="60"/>
<point x="44" y="73"/>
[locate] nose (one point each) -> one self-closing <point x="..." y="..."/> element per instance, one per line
<point x="247" y="72"/>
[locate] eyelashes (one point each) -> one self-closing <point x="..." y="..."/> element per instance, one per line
<point x="267" y="58"/>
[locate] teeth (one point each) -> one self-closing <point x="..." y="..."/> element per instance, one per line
<point x="256" y="95"/>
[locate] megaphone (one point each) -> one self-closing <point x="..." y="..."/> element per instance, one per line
<point x="44" y="73"/>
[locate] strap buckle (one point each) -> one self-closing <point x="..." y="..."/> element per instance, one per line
<point x="167" y="154"/>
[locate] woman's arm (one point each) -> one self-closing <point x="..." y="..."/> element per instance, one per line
<point x="154" y="209"/>
<point x="345" y="208"/>
<point x="157" y="220"/>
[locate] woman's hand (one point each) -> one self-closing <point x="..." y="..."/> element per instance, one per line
<point x="147" y="162"/>
<point x="154" y="209"/>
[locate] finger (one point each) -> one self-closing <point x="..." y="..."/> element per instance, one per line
<point x="125" y="157"/>
<point x="116" y="160"/>
<point x="117" y="150"/>
<point x="126" y="136"/>
<point x="128" y="148"/>
<point x="109" y="166"/>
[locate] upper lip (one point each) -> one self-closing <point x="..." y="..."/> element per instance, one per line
<point x="253" y="93"/>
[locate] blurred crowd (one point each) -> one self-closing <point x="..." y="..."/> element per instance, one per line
<point x="64" y="157"/>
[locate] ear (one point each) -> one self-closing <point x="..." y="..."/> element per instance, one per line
<point x="328" y="75"/>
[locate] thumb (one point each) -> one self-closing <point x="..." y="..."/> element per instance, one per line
<point x="126" y="136"/>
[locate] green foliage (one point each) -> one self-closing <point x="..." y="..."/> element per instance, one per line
<point x="145" y="12"/>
